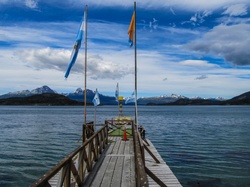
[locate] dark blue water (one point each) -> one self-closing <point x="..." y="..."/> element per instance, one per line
<point x="203" y="145"/>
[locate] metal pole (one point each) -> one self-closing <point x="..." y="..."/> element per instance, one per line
<point x="118" y="102"/>
<point x="136" y="114"/>
<point x="95" y="119"/>
<point x="85" y="75"/>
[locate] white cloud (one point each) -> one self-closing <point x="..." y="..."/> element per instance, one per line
<point x="230" y="42"/>
<point x="45" y="58"/>
<point x="194" y="5"/>
<point x="38" y="34"/>
<point x="236" y="10"/>
<point x="111" y="60"/>
<point x="58" y="59"/>
<point x="199" y="17"/>
<point x="31" y="3"/>
<point x="28" y="3"/>
<point x="197" y="63"/>
<point x="191" y="5"/>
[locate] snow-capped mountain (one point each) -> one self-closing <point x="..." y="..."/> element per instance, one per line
<point x="160" y="99"/>
<point x="78" y="95"/>
<point x="26" y="93"/>
<point x="79" y="91"/>
<point x="23" y="92"/>
<point x="218" y="98"/>
<point x="43" y="89"/>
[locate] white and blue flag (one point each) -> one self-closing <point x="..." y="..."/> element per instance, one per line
<point x="130" y="99"/>
<point x="96" y="99"/>
<point x="77" y="45"/>
<point x="117" y="92"/>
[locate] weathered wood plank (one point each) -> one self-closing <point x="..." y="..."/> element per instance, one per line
<point x="117" y="176"/>
<point x="126" y="149"/>
<point x="102" y="166"/>
<point x="117" y="168"/>
<point x="126" y="173"/>
<point x="117" y="145"/>
<point x="107" y="178"/>
<point x="132" y="163"/>
<point x="100" y="174"/>
<point x="161" y="170"/>
<point x="121" y="147"/>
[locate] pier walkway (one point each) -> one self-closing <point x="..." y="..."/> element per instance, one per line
<point x="161" y="170"/>
<point x="118" y="166"/>
<point x="107" y="160"/>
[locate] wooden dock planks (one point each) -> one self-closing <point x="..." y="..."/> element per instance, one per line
<point x="118" y="165"/>
<point x="161" y="170"/>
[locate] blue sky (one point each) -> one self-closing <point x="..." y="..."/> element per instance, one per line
<point x="191" y="48"/>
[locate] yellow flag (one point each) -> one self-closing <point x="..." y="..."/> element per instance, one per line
<point x="131" y="30"/>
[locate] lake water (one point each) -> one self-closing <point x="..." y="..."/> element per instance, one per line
<point x="203" y="145"/>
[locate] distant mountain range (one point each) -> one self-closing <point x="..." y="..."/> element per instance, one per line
<point x="46" y="96"/>
<point x="44" y="99"/>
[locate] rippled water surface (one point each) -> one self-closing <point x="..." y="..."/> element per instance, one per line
<point x="203" y="145"/>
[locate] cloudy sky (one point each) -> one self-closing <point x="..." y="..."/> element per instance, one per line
<point x="186" y="47"/>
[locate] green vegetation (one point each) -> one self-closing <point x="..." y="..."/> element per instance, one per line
<point x="120" y="132"/>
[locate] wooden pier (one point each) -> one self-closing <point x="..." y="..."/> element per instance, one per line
<point x="161" y="169"/>
<point x="106" y="160"/>
<point x="118" y="165"/>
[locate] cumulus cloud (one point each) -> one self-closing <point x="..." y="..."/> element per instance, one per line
<point x="236" y="10"/>
<point x="230" y="42"/>
<point x="100" y="69"/>
<point x="58" y="59"/>
<point x="45" y="58"/>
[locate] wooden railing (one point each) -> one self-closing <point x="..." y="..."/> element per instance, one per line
<point x="140" y="173"/>
<point x="74" y="169"/>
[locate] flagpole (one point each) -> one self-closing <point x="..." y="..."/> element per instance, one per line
<point x="118" y="99"/>
<point x="136" y="116"/>
<point x="95" y="113"/>
<point x="85" y="75"/>
<point x="95" y="118"/>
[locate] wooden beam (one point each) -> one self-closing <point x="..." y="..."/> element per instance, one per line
<point x="151" y="154"/>
<point x="75" y="174"/>
<point x="154" y="177"/>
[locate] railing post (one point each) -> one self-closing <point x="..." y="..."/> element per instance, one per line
<point x="141" y="176"/>
<point x="86" y="153"/>
<point x="106" y="133"/>
<point x="67" y="177"/>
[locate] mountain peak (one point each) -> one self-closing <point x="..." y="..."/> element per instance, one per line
<point x="177" y="96"/>
<point x="43" y="89"/>
<point x="79" y="91"/>
<point x="23" y="92"/>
